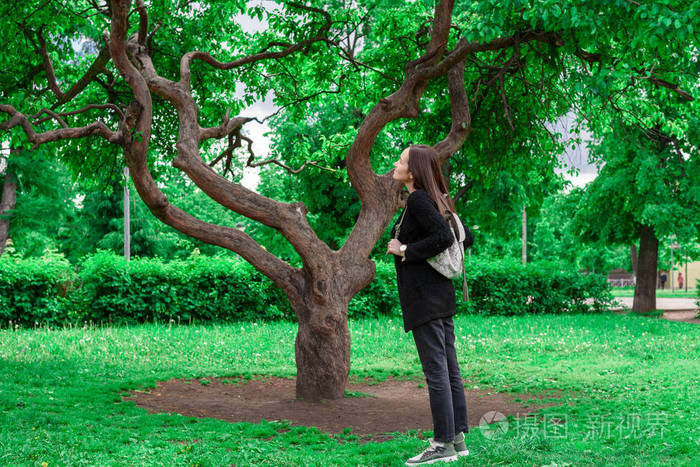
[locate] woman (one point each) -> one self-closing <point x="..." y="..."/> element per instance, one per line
<point x="428" y="298"/>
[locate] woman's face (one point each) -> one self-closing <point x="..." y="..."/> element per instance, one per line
<point x="401" y="172"/>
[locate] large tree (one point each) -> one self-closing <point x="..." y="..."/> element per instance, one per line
<point x="648" y="189"/>
<point x="472" y="56"/>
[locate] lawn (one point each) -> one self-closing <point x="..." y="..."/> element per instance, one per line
<point x="631" y="386"/>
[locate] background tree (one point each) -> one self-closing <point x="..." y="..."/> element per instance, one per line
<point x="43" y="190"/>
<point x="471" y="59"/>
<point x="556" y="238"/>
<point x="649" y="188"/>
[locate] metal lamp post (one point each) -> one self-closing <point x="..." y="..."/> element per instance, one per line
<point x="673" y="246"/>
<point x="127" y="224"/>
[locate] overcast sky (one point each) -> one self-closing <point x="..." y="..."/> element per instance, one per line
<point x="576" y="157"/>
<point x="259" y="110"/>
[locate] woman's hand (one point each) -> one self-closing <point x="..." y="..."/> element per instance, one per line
<point x="393" y="247"/>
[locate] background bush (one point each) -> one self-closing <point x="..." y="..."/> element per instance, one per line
<point x="198" y="289"/>
<point x="35" y="290"/>
<point x="381" y="297"/>
<point x="506" y="287"/>
<point x="105" y="289"/>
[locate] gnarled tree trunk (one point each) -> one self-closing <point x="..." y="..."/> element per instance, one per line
<point x="7" y="204"/>
<point x="322" y="351"/>
<point x="645" y="289"/>
<point x="322" y="347"/>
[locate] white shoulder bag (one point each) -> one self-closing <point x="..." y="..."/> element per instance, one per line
<point x="450" y="262"/>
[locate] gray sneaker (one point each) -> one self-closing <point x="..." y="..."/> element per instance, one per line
<point x="436" y="452"/>
<point x="460" y="445"/>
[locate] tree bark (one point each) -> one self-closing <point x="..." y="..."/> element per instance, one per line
<point x="633" y="256"/>
<point x="7" y="204"/>
<point x="322" y="351"/>
<point x="645" y="288"/>
<point x="322" y="346"/>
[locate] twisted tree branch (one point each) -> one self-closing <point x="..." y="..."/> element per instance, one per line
<point x="321" y="36"/>
<point x="82" y="110"/>
<point x="48" y="66"/>
<point x="19" y="119"/>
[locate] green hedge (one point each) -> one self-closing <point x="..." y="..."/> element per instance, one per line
<point x="35" y="291"/>
<point x="198" y="289"/>
<point x="507" y="287"/>
<point x="380" y="297"/>
<point x="105" y="289"/>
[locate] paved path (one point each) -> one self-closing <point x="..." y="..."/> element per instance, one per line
<point x="666" y="304"/>
<point x="675" y="309"/>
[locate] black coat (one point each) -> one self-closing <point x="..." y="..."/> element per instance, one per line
<point x="424" y="293"/>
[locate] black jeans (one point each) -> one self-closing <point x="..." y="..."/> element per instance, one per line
<point x="435" y="341"/>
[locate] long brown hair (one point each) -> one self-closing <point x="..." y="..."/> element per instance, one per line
<point x="424" y="165"/>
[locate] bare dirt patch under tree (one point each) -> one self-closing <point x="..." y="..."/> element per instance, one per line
<point x="370" y="411"/>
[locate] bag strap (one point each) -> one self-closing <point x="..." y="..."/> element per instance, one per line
<point x="398" y="226"/>
<point x="457" y="226"/>
<point x="460" y="235"/>
<point x="465" y="286"/>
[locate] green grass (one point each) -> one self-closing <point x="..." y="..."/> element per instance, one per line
<point x="666" y="293"/>
<point x="357" y="394"/>
<point x="629" y="389"/>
